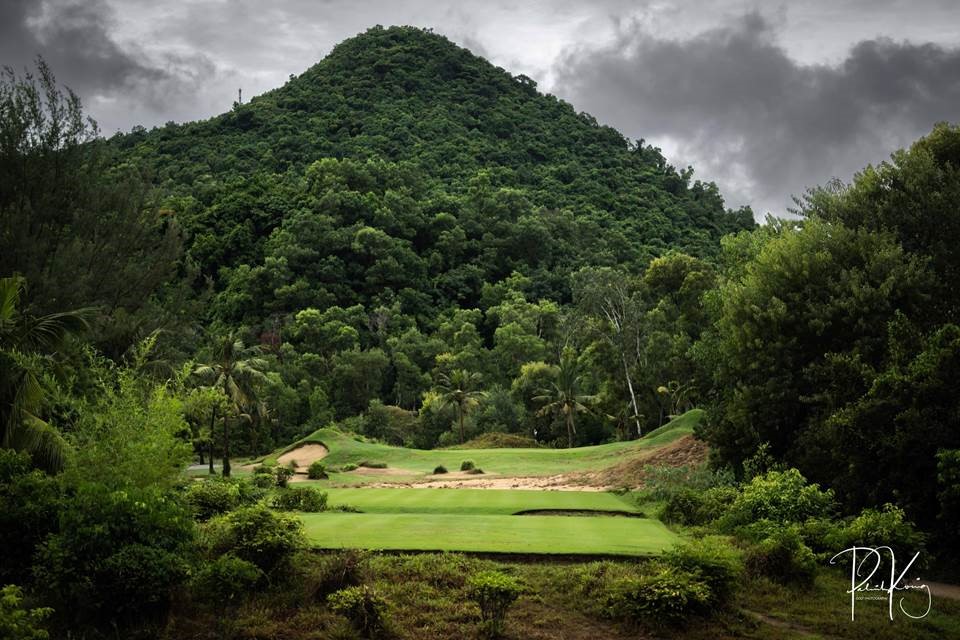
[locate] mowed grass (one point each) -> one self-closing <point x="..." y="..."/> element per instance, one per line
<point x="556" y="535"/>
<point x="475" y="501"/>
<point x="345" y="449"/>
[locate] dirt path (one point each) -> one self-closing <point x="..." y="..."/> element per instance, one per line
<point x="943" y="590"/>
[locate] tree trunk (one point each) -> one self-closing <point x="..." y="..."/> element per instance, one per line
<point x="571" y="429"/>
<point x="460" y="415"/>
<point x="200" y="451"/>
<point x="633" y="396"/>
<point x="213" y="422"/>
<point x="226" y="448"/>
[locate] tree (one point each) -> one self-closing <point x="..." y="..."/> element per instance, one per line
<point x="564" y="398"/>
<point x="236" y="371"/>
<point x="459" y="389"/>
<point x="28" y="346"/>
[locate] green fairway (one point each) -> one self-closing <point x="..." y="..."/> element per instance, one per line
<point x="475" y="501"/>
<point x="601" y="535"/>
<point x="345" y="449"/>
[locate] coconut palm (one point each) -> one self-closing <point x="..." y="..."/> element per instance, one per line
<point x="563" y="397"/>
<point x="236" y="371"/>
<point x="28" y="345"/>
<point x="459" y="388"/>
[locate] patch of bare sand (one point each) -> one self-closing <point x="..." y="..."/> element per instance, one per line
<point x="304" y="455"/>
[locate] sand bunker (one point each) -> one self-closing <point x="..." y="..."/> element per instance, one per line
<point x="304" y="455"/>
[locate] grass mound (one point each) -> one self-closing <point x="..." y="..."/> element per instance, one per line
<point x="497" y="440"/>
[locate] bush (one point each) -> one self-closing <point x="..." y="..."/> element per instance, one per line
<point x="282" y="476"/>
<point x="714" y="561"/>
<point x="666" y="597"/>
<point x="475" y="471"/>
<point x="493" y="592"/>
<point x="886" y="526"/>
<point x="317" y="471"/>
<point x="362" y="607"/>
<point x="17" y="623"/>
<point x="30" y="503"/>
<point x="117" y="557"/>
<point x="683" y="507"/>
<point x="373" y="465"/>
<point x="439" y="469"/>
<point x="263" y="481"/>
<point x="662" y="482"/>
<point x="212" y="497"/>
<point x="263" y="470"/>
<point x="348" y="467"/>
<point x="306" y="499"/>
<point x="782" y="557"/>
<point x="337" y="571"/>
<point x="226" y="581"/>
<point x="256" y="534"/>
<point x="780" y="496"/>
<point x="466" y="465"/>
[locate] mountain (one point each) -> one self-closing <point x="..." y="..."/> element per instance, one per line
<point x="403" y="168"/>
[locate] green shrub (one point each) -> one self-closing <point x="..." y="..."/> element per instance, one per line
<point x="282" y="476"/>
<point x="683" y="507"/>
<point x="348" y="467"/>
<point x="362" y="607"/>
<point x="212" y="497"/>
<point x="16" y="622"/>
<point x="714" y="561"/>
<point x="263" y="470"/>
<point x="317" y="471"/>
<point x="466" y="465"/>
<point x="226" y="581"/>
<point x="666" y="597"/>
<point x="337" y="571"/>
<point x="263" y="481"/>
<point x="662" y="482"/>
<point x="475" y="471"/>
<point x="30" y="502"/>
<point x="117" y="557"/>
<point x="256" y="534"/>
<point x="306" y="499"/>
<point x="782" y="557"/>
<point x="373" y="465"/>
<point x="493" y="592"/>
<point x="439" y="469"/>
<point x="886" y="526"/>
<point x="780" y="496"/>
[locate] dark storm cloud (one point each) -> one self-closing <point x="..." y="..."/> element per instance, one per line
<point x="733" y="102"/>
<point x="76" y="39"/>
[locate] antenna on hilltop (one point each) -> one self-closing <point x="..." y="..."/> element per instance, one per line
<point x="240" y="96"/>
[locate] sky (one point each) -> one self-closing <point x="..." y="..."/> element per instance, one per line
<point x="766" y="99"/>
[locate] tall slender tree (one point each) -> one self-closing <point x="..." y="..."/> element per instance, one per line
<point x="564" y="398"/>
<point x="236" y="370"/>
<point x="459" y="388"/>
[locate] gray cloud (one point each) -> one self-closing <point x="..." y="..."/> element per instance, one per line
<point x="77" y="39"/>
<point x="732" y="102"/>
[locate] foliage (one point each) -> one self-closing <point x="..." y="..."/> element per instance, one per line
<point x="439" y="469"/>
<point x="17" y="622"/>
<point x="467" y="465"/>
<point x="887" y="526"/>
<point x="362" y="607"/>
<point x="780" y="496"/>
<point x="336" y="571"/>
<point x="661" y="482"/>
<point x="30" y="503"/>
<point x="317" y="470"/>
<point x="306" y="499"/>
<point x="255" y="534"/>
<point x="225" y="581"/>
<point x="714" y="561"/>
<point x="663" y="598"/>
<point x="493" y="592"/>
<point x="117" y="555"/>
<point x="212" y="497"/>
<point x="782" y="557"/>
<point x="282" y="475"/>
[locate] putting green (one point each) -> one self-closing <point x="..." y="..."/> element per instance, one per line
<point x="599" y="535"/>
<point x="475" y="501"/>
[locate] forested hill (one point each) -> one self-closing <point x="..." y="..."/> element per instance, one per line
<point x="403" y="168"/>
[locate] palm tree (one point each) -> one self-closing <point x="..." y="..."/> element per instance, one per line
<point x="564" y="397"/>
<point x="236" y="370"/>
<point x="459" y="389"/>
<point x="28" y="345"/>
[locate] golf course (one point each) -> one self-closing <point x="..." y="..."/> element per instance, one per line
<point x="521" y="501"/>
